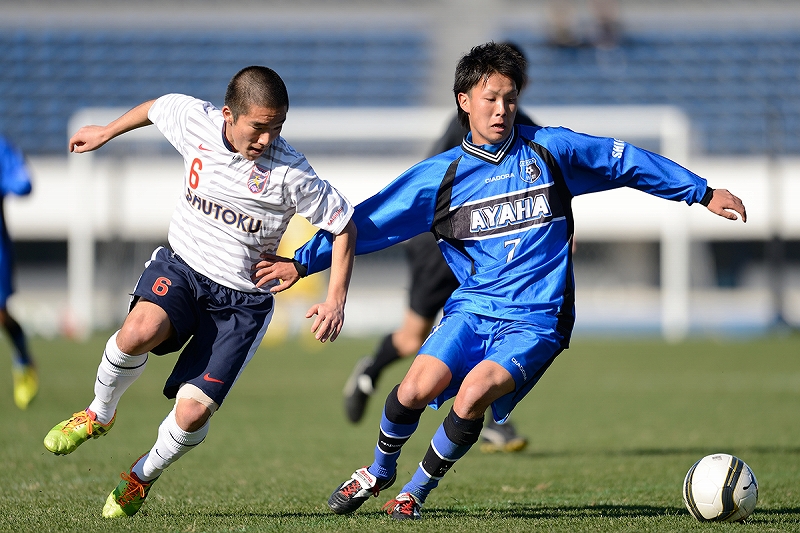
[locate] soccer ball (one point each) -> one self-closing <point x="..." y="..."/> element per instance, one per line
<point x="720" y="488"/>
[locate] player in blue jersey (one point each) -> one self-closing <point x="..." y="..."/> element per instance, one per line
<point x="500" y="207"/>
<point x="431" y="284"/>
<point x="14" y="179"/>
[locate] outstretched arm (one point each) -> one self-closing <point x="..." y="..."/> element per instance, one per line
<point x="330" y="313"/>
<point x="90" y="138"/>
<point x="723" y="202"/>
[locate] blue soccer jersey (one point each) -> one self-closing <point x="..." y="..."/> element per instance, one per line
<point x="502" y="216"/>
<point x="14" y="179"/>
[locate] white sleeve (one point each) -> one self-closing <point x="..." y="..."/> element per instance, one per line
<point x="316" y="200"/>
<point x="169" y="114"/>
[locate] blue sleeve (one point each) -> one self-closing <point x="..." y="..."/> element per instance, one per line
<point x="592" y="164"/>
<point x="403" y="209"/>
<point x="14" y="176"/>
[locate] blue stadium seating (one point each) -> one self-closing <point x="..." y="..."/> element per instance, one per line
<point x="741" y="89"/>
<point x="47" y="75"/>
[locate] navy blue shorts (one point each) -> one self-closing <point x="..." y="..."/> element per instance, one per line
<point x="223" y="326"/>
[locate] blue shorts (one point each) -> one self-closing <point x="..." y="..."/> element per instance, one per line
<point x="223" y="326"/>
<point x="6" y="268"/>
<point x="462" y="340"/>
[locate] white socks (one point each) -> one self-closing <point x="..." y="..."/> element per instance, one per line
<point x="117" y="371"/>
<point x="115" y="374"/>
<point x="171" y="444"/>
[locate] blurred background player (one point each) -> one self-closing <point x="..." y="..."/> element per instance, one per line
<point x="432" y="283"/>
<point x="14" y="179"/>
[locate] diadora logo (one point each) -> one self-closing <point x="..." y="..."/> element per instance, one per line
<point x="509" y="213"/>
<point x="529" y="170"/>
<point x="258" y="179"/>
<point x="499" y="178"/>
<point x="617" y="149"/>
<point x="521" y="368"/>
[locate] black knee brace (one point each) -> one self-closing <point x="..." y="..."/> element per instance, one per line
<point x="462" y="431"/>
<point x="397" y="413"/>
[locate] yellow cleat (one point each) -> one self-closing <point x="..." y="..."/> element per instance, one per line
<point x="128" y="497"/>
<point x="26" y="385"/>
<point x="65" y="437"/>
<point x="501" y="438"/>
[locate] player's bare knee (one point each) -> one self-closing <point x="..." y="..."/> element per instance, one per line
<point x="411" y="395"/>
<point x="141" y="332"/>
<point x="472" y="400"/>
<point x="135" y="338"/>
<point x="191" y="415"/>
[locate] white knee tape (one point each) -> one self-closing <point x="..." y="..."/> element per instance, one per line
<point x="193" y="392"/>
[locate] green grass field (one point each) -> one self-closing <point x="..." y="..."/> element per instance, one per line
<point x="613" y="425"/>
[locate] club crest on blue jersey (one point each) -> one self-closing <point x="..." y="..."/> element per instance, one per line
<point x="529" y="170"/>
<point x="258" y="179"/>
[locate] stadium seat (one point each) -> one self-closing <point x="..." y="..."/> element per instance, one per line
<point x="717" y="77"/>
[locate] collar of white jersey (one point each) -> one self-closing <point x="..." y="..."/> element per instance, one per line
<point x="225" y="142"/>
<point x="490" y="156"/>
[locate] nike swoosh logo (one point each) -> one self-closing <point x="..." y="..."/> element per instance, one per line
<point x="207" y="377"/>
<point x="201" y="147"/>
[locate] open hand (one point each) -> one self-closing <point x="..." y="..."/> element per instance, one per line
<point x="328" y="322"/>
<point x="274" y="267"/>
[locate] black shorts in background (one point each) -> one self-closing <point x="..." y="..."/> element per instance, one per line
<point x="432" y="281"/>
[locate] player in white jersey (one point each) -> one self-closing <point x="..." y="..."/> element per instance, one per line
<point x="212" y="292"/>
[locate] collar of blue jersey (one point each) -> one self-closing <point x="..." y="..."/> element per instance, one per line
<point x="491" y="153"/>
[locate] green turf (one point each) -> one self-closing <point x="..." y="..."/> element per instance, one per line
<point x="614" y="426"/>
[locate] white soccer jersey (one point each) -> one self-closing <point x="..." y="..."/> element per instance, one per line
<point x="233" y="209"/>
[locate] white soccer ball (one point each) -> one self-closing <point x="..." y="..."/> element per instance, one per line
<point x="720" y="488"/>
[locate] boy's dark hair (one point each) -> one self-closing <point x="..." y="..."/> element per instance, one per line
<point x="255" y="85"/>
<point x="483" y="61"/>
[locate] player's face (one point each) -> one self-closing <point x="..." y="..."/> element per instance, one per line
<point x="253" y="132"/>
<point x="491" y="106"/>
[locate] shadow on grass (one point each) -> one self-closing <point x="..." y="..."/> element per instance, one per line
<point x="536" y="512"/>
<point x="763" y="516"/>
<point x="648" y="452"/>
<point x="524" y="512"/>
<point x="518" y="512"/>
<point x="779" y="512"/>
